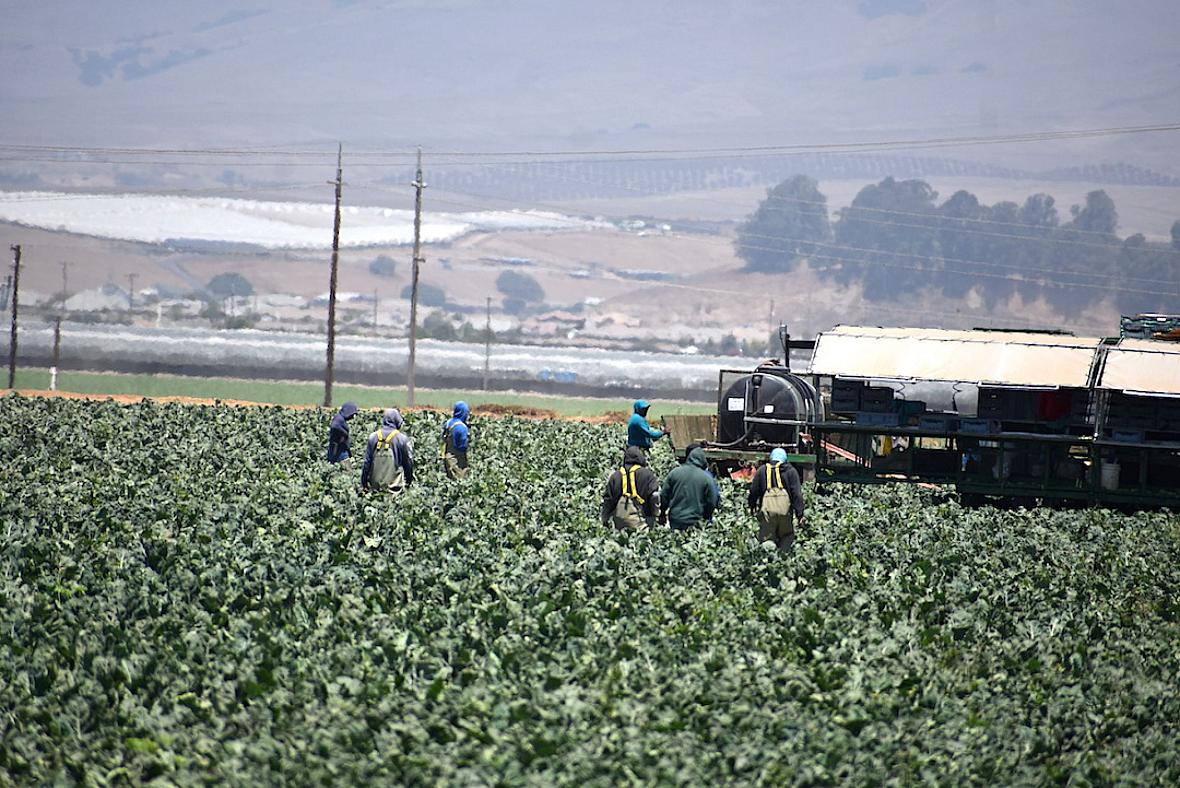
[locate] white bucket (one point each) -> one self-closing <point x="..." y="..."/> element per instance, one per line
<point x="1110" y="475"/>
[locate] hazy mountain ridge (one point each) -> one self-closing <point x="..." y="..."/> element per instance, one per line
<point x="517" y="74"/>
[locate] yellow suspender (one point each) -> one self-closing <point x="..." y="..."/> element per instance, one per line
<point x="387" y="441"/>
<point x="634" y="491"/>
<point x="778" y="476"/>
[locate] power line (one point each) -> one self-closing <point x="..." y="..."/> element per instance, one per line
<point x="933" y="258"/>
<point x="938" y="222"/>
<point x="940" y="258"/>
<point x="720" y="152"/>
<point x="938" y="219"/>
<point x="866" y="250"/>
<point x="923" y="269"/>
<point x="38" y="195"/>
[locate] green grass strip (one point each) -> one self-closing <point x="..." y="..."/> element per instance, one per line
<point x="299" y="393"/>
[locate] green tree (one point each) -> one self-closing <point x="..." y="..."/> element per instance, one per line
<point x="438" y="325"/>
<point x="1098" y="215"/>
<point x="890" y="235"/>
<point x="383" y="265"/>
<point x="522" y="287"/>
<point x="786" y="227"/>
<point x="1039" y="210"/>
<point x="958" y="240"/>
<point x="230" y="284"/>
<point x="428" y="295"/>
<point x="514" y="306"/>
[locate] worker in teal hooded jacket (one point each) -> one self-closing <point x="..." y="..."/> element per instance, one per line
<point x="638" y="432"/>
<point x="688" y="496"/>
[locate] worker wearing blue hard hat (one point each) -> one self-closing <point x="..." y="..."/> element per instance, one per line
<point x="639" y="432"/>
<point x="776" y="499"/>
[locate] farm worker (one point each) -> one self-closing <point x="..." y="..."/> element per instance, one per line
<point x="389" y="456"/>
<point x="454" y="443"/>
<point x="688" y="495"/>
<point x="716" y="487"/>
<point x="338" y="434"/>
<point x="638" y="432"/>
<point x="632" y="496"/>
<point x="776" y="495"/>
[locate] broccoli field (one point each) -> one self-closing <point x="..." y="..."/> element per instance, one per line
<point x="190" y="594"/>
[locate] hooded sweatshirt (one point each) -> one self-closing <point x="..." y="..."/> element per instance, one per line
<point x="457" y="425"/>
<point x="638" y="432"/>
<point x="646" y="484"/>
<point x="339" y="436"/>
<point x="403" y="450"/>
<point x="688" y="495"/>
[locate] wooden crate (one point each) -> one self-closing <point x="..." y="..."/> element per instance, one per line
<point x="686" y="429"/>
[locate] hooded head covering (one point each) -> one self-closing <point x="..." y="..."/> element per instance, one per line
<point x="392" y="419"/>
<point x="634" y="456"/>
<point x="348" y="410"/>
<point x="778" y="455"/>
<point x="641" y="405"/>
<point x="462" y="411"/>
<point x="697" y="457"/>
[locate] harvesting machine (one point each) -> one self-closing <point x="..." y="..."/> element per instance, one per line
<point x="1017" y="415"/>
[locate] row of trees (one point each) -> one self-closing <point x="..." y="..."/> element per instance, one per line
<point x="521" y="292"/>
<point x="896" y="239"/>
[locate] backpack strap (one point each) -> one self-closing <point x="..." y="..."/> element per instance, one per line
<point x="628" y="479"/>
<point x="775" y="481"/>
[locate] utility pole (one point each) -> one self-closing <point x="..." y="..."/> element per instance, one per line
<point x="374" y="311"/>
<point x="487" y="345"/>
<point x="418" y="185"/>
<point x="15" y="306"/>
<point x="131" y="291"/>
<point x="56" y="354"/>
<point x="65" y="283"/>
<point x="339" y="183"/>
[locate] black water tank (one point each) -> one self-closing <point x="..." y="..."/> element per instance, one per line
<point x="780" y="396"/>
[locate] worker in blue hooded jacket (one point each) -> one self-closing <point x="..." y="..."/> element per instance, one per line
<point x="639" y="433"/>
<point x="455" y="440"/>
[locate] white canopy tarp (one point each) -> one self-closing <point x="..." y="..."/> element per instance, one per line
<point x="1141" y="366"/>
<point x="997" y="358"/>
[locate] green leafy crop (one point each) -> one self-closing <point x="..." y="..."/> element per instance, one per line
<point x="191" y="594"/>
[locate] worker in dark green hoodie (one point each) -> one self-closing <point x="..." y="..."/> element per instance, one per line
<point x="688" y="496"/>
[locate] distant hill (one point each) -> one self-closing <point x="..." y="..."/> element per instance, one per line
<point x="535" y="73"/>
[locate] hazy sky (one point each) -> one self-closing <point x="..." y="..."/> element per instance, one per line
<point x="523" y="73"/>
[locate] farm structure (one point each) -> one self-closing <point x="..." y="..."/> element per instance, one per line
<point x="1017" y="415"/>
